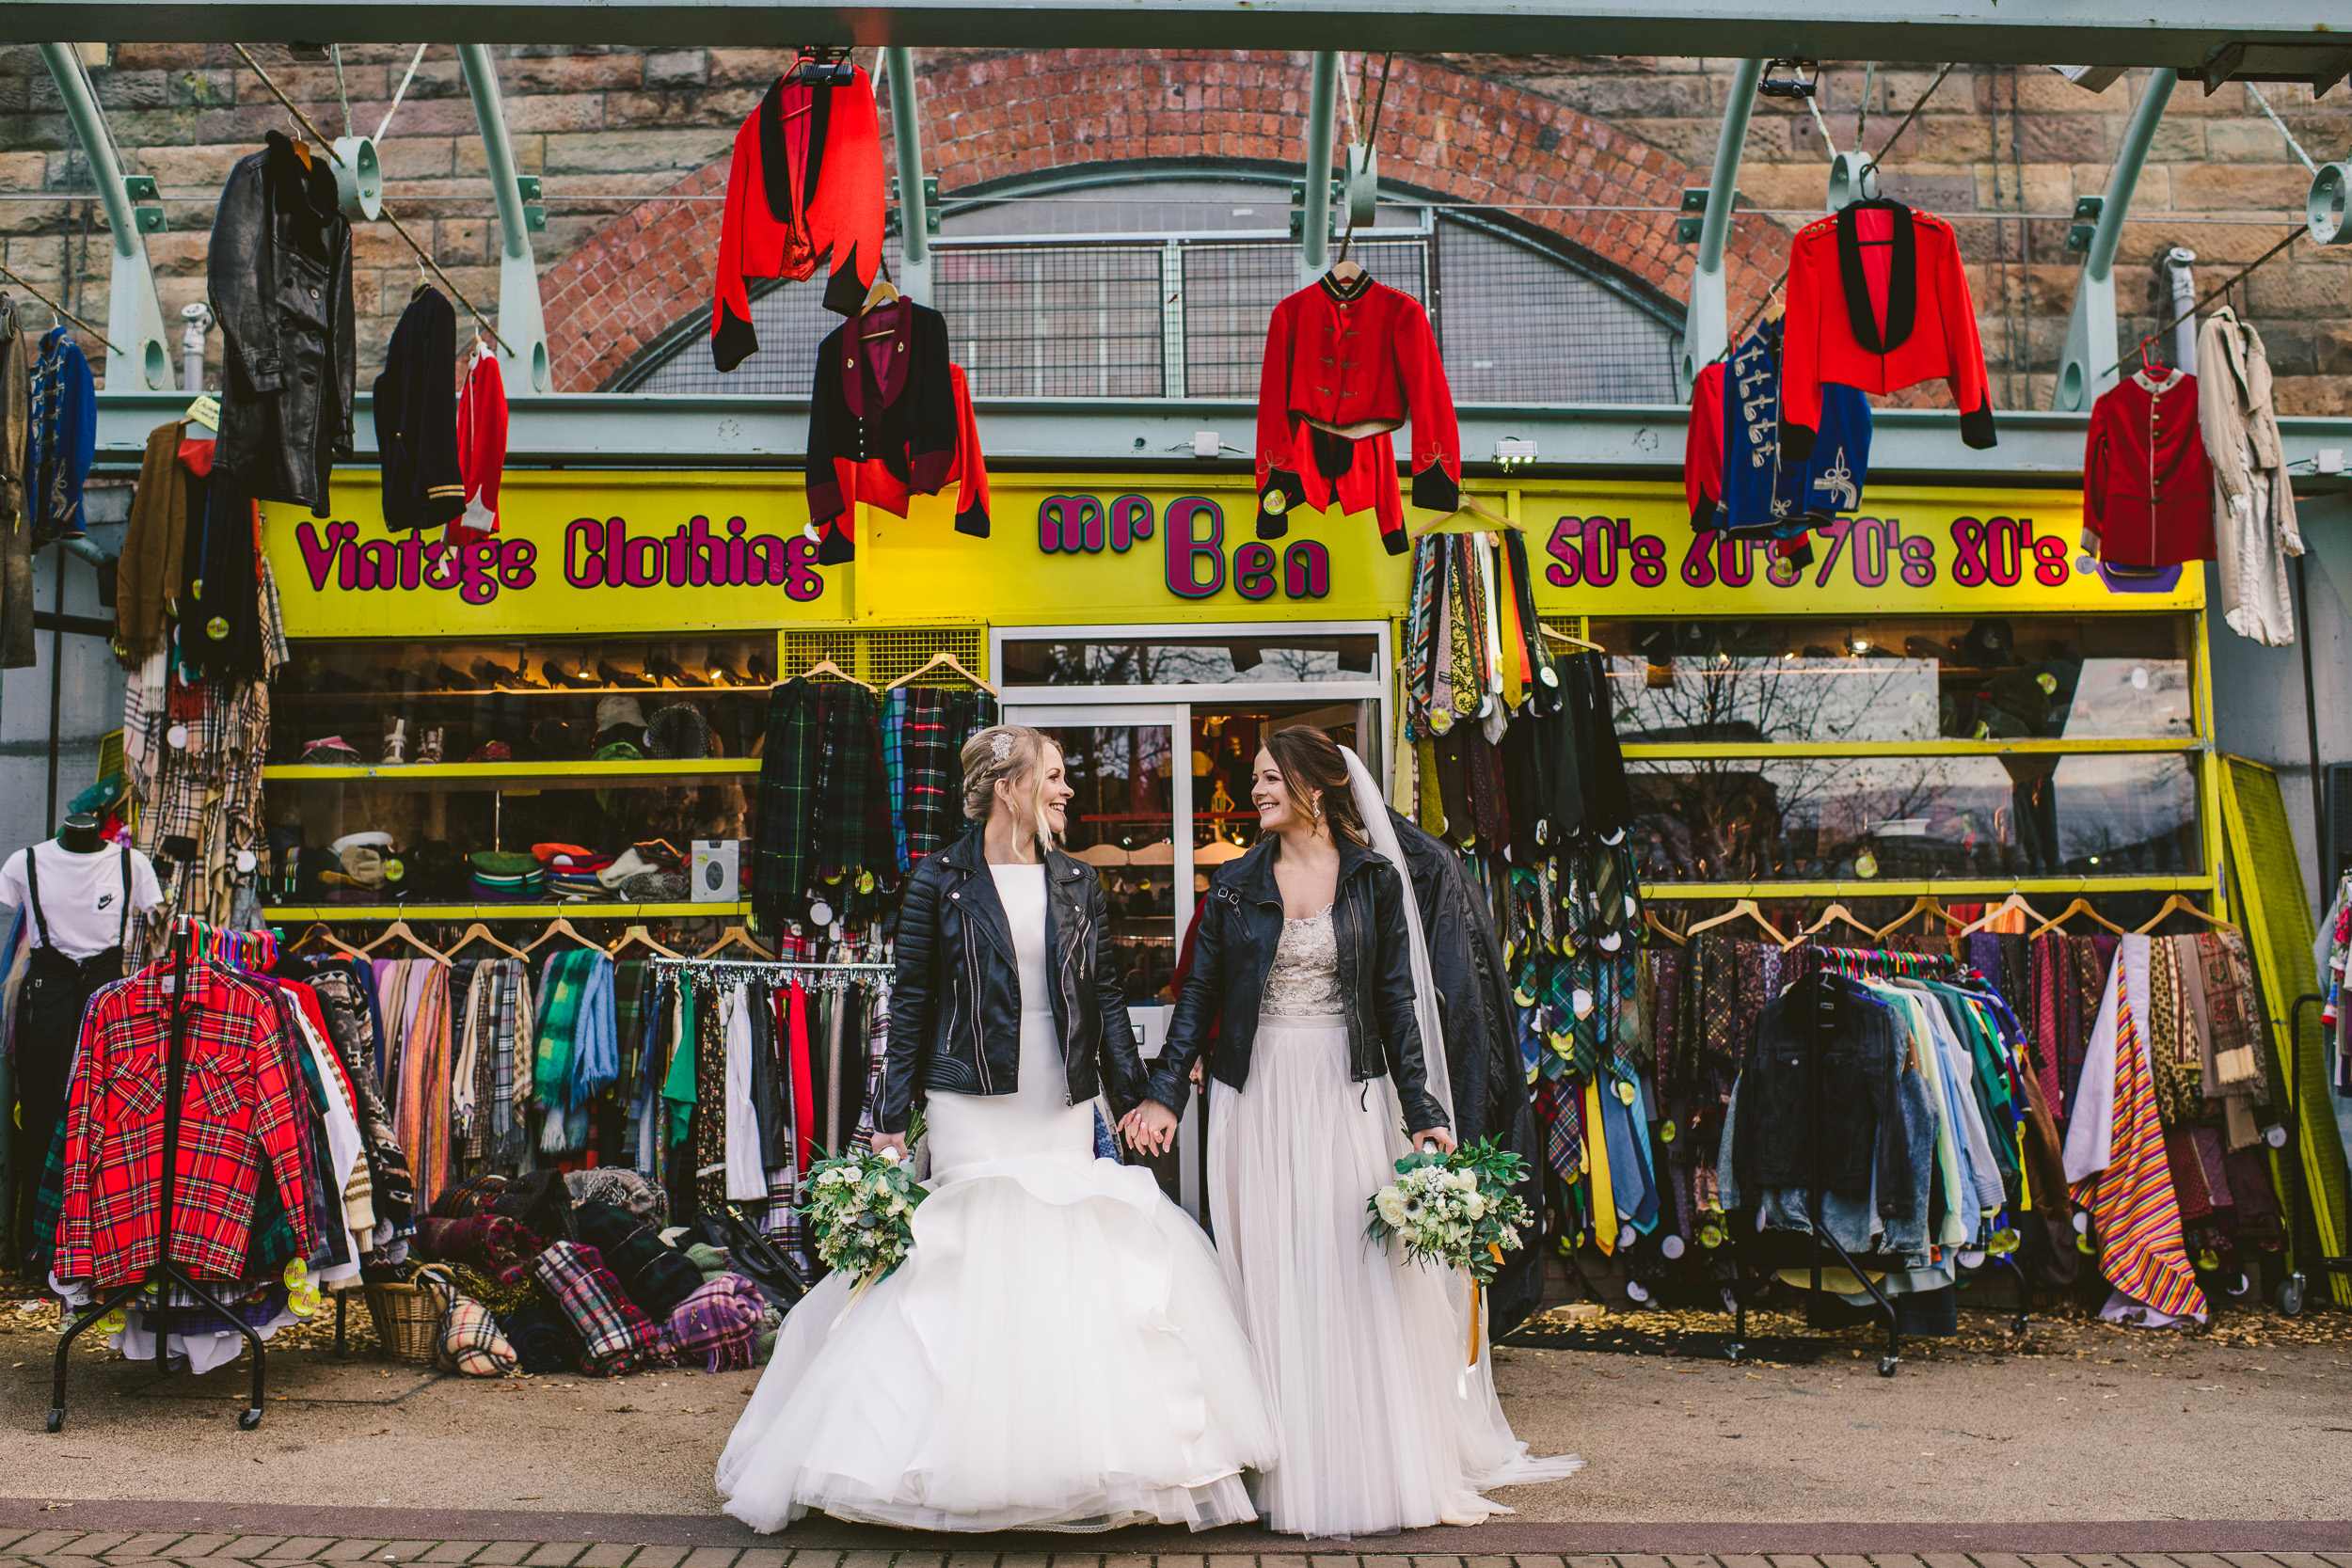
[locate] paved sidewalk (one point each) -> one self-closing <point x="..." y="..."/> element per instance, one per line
<point x="66" y="1549"/>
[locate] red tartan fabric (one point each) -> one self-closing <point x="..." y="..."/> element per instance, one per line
<point x="240" y="1109"/>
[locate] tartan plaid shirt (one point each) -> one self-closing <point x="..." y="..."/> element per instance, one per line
<point x="241" y="1110"/>
<point x="200" y="803"/>
<point x="894" y="726"/>
<point x="784" y="832"/>
<point x="930" y="814"/>
<point x="853" y="801"/>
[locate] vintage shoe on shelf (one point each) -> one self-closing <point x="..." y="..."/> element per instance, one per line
<point x="332" y="750"/>
<point x="662" y="667"/>
<point x="395" y="742"/>
<point x="429" y="750"/>
<point x="614" y="676"/>
<point x="568" y="680"/>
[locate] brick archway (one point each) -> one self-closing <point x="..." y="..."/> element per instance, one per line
<point x="998" y="118"/>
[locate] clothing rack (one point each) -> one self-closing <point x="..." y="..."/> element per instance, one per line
<point x="729" y="971"/>
<point x="1815" y="963"/>
<point x="164" y="1274"/>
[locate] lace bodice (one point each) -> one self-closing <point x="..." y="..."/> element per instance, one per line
<point x="1305" y="979"/>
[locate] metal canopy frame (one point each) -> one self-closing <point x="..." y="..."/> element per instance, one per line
<point x="2255" y="38"/>
<point x="2093" y="355"/>
<point x="138" y="357"/>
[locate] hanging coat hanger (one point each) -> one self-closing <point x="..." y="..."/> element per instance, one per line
<point x="320" y="931"/>
<point x="883" y="292"/>
<point x="942" y="661"/>
<point x="1471" y="505"/>
<point x="1836" y="912"/>
<point x="639" y="935"/>
<point x="479" y="932"/>
<point x="400" y="930"/>
<point x="559" y="926"/>
<point x="1925" y="904"/>
<point x="2012" y="902"/>
<point x="1650" y="918"/>
<point x="1745" y="908"/>
<point x="2177" y="904"/>
<point x="734" y="936"/>
<point x="2080" y="906"/>
<point x="1573" y="642"/>
<point x="827" y="667"/>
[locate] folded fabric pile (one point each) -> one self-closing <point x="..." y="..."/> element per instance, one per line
<point x="624" y="1189"/>
<point x="572" y="872"/>
<point x="717" y="1328"/>
<point x="614" y="1333"/>
<point x="504" y="876"/>
<point x="471" y="1343"/>
<point x="491" y="1245"/>
<point x="657" y="1276"/>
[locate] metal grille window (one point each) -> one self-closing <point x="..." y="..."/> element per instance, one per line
<point x="1135" y="315"/>
<point x="1229" y="289"/>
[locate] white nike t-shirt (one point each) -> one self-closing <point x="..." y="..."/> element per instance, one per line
<point x="81" y="896"/>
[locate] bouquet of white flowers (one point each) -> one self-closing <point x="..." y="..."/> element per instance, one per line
<point x="861" y="1210"/>
<point x="1456" y="1211"/>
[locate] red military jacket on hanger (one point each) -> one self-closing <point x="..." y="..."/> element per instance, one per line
<point x="2147" y="485"/>
<point x="1877" y="301"/>
<point x="806" y="179"/>
<point x="1345" y="364"/>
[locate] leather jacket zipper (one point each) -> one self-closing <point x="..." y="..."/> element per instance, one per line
<point x="1070" y="1003"/>
<point x="971" y="982"/>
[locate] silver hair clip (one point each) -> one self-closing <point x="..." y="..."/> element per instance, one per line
<point x="1000" y="745"/>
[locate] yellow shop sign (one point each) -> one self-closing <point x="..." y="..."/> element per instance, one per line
<point x="618" y="553"/>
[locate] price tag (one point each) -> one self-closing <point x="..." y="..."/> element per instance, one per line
<point x="205" y="411"/>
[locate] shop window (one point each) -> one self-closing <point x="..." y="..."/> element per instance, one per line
<point x="1271" y="655"/>
<point x="1988" y="749"/>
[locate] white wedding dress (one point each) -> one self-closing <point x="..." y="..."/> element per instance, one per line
<point x="1379" y="1425"/>
<point x="1058" y="1352"/>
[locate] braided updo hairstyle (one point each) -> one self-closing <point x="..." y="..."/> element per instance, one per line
<point x="1012" y="755"/>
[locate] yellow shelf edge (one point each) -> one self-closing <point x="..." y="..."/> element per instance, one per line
<point x="490" y="771"/>
<point x="289" y="914"/>
<point x="1704" y="750"/>
<point x="1990" y="887"/>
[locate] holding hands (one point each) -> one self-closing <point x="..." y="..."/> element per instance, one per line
<point x="1149" y="1128"/>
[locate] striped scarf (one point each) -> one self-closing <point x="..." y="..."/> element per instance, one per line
<point x="2138" y="1219"/>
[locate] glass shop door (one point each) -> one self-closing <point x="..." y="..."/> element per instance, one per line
<point x="1133" y="792"/>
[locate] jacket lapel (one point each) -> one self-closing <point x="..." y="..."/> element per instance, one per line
<point x="977" y="893"/>
<point x="1902" y="279"/>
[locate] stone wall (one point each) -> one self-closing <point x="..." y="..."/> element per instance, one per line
<point x="2003" y="153"/>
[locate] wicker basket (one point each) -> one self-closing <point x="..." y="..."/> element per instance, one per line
<point x="408" y="1314"/>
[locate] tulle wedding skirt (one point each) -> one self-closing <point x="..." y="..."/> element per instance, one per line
<point x="1058" y="1352"/>
<point x="1378" y="1424"/>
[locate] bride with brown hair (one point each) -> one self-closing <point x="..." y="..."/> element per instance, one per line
<point x="1059" y="1349"/>
<point x="1328" y="1065"/>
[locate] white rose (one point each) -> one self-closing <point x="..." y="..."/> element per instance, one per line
<point x="1391" y="1206"/>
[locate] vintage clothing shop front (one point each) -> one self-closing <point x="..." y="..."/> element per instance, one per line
<point x="1946" y="700"/>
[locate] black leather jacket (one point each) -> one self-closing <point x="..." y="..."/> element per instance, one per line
<point x="280" y="274"/>
<point x="1234" y="950"/>
<point x="954" y="1006"/>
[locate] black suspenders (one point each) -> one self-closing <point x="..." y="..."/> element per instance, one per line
<point x="32" y="890"/>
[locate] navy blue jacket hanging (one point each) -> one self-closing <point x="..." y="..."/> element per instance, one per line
<point x="1765" y="492"/>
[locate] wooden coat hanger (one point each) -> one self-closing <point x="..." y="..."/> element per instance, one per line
<point x="827" y="667"/>
<point x="1745" y="907"/>
<point x="479" y="932"/>
<point x="2012" y="902"/>
<point x="559" y="926"/>
<point x="734" y="936"/>
<point x="326" y="933"/>
<point x="1650" y="918"/>
<point x="942" y="661"/>
<point x="2177" y="904"/>
<point x="1472" y="505"/>
<point x="1836" y="912"/>
<point x="2080" y="906"/>
<point x="1347" y="271"/>
<point x="639" y="935"/>
<point x="883" y="292"/>
<point x="400" y="928"/>
<point x="1571" y="641"/>
<point x="1925" y="904"/>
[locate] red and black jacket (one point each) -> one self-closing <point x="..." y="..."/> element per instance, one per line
<point x="1877" y="301"/>
<point x="806" y="179"/>
<point x="889" y="418"/>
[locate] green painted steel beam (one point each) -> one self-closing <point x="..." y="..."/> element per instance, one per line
<point x="136" y="354"/>
<point x="906" y="134"/>
<point x="2187" y="34"/>
<point x="2092" y="360"/>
